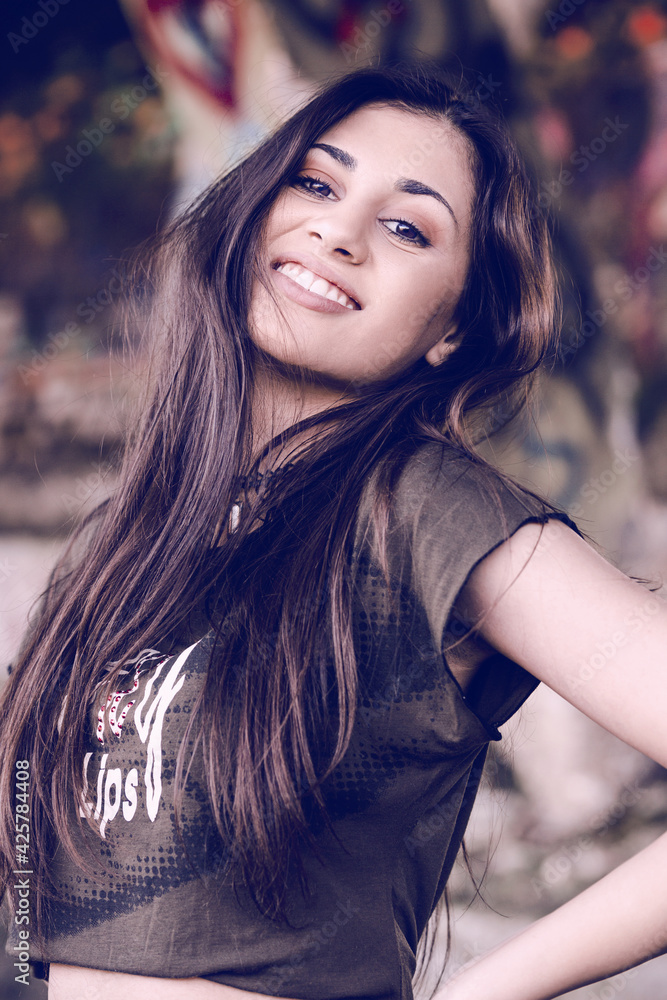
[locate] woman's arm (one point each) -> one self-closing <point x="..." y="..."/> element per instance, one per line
<point x="599" y="640"/>
<point x="619" y="922"/>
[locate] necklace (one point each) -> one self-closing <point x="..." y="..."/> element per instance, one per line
<point x="253" y="482"/>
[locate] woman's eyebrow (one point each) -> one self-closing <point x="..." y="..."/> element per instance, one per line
<point x="405" y="184"/>
<point x="338" y="154"/>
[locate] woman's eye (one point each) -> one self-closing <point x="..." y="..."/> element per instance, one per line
<point x="405" y="231"/>
<point x="314" y="185"/>
<point x="408" y="233"/>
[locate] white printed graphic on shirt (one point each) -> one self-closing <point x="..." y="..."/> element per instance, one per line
<point x="148" y="720"/>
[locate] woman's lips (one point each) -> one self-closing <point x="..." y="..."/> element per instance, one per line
<point x="320" y="276"/>
<point x="311" y="300"/>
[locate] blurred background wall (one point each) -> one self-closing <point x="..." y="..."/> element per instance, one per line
<point x="113" y="115"/>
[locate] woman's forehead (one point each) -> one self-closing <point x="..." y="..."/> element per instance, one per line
<point x="435" y="131"/>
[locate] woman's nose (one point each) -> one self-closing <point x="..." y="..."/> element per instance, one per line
<point x="339" y="231"/>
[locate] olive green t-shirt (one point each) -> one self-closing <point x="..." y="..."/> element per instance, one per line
<point x="399" y="801"/>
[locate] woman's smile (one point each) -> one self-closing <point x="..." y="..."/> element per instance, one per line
<point x="372" y="238"/>
<point x="318" y="286"/>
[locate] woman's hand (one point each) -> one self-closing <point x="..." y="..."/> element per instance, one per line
<point x="616" y="924"/>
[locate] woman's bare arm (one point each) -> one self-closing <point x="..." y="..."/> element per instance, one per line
<point x="599" y="640"/>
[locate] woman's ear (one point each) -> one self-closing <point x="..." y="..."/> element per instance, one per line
<point x="443" y="347"/>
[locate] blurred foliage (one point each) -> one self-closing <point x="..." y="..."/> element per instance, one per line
<point x="86" y="151"/>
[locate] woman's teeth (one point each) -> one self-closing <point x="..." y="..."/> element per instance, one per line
<point x="313" y="283"/>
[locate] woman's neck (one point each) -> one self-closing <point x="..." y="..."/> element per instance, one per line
<point x="278" y="403"/>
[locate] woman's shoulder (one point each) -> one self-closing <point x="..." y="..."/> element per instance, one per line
<point x="442" y="480"/>
<point x="446" y="510"/>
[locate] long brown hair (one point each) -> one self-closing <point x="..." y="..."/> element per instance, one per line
<point x="286" y="603"/>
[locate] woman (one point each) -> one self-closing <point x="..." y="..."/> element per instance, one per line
<point x="292" y="633"/>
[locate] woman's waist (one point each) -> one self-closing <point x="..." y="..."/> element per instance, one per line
<point x="71" y="982"/>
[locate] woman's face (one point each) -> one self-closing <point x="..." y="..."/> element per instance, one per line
<point x="367" y="249"/>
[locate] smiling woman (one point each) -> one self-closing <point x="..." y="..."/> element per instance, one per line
<point x="283" y="646"/>
<point x="394" y="246"/>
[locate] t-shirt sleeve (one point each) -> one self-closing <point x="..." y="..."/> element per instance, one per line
<point x="450" y="512"/>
